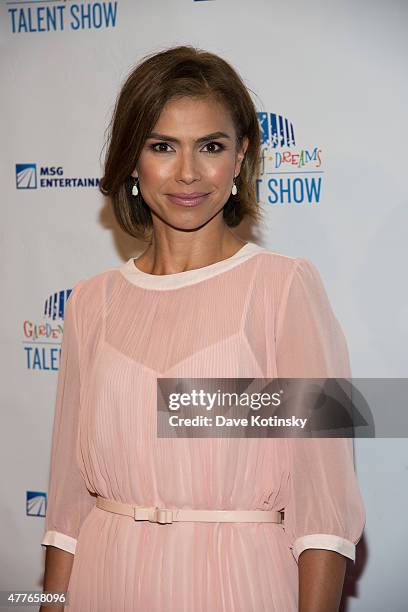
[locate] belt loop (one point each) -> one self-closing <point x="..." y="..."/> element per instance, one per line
<point x="163" y="515"/>
<point x="153" y="515"/>
<point x="142" y="514"/>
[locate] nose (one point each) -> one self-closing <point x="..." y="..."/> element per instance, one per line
<point x="187" y="170"/>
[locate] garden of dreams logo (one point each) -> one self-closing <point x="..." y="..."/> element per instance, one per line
<point x="290" y="175"/>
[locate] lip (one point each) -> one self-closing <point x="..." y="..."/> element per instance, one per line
<point x="187" y="200"/>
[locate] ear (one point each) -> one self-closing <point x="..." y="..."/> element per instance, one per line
<point x="241" y="155"/>
<point x="134" y="173"/>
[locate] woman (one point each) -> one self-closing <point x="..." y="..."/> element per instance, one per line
<point x="181" y="167"/>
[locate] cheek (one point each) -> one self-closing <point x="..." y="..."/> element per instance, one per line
<point x="221" y="172"/>
<point x="153" y="170"/>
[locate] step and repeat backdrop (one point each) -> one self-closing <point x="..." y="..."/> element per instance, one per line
<point x="329" y="83"/>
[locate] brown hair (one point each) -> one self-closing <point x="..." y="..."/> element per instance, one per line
<point x="182" y="71"/>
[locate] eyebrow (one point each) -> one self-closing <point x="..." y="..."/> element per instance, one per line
<point x="212" y="136"/>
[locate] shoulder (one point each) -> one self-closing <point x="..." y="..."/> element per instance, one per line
<point x="287" y="278"/>
<point x="285" y="268"/>
<point x="87" y="287"/>
<point x="88" y="294"/>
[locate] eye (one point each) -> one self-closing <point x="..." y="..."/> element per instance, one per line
<point x="218" y="144"/>
<point x="159" y="144"/>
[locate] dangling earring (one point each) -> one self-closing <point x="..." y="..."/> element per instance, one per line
<point x="135" y="190"/>
<point x="234" y="189"/>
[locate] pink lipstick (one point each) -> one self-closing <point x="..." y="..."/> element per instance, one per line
<point x="187" y="200"/>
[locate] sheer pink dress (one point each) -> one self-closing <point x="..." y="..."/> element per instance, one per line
<point x="256" y="314"/>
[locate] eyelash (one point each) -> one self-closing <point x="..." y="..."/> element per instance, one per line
<point x="221" y="147"/>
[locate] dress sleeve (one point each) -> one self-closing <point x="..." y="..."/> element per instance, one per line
<point x="325" y="509"/>
<point x="69" y="501"/>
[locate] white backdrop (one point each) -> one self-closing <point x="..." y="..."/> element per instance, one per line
<point x="337" y="72"/>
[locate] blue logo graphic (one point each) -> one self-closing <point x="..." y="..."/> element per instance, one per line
<point x="276" y="131"/>
<point x="54" y="306"/>
<point x="26" y="176"/>
<point x="36" y="503"/>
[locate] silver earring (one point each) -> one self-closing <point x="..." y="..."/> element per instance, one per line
<point x="135" y="190"/>
<point x="234" y="189"/>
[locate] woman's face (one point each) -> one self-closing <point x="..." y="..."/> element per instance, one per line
<point x="191" y="149"/>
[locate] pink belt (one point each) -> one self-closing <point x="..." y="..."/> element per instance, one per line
<point x="171" y="515"/>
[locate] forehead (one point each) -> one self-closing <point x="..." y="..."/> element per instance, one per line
<point x="198" y="116"/>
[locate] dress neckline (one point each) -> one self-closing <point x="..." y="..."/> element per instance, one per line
<point x="180" y="279"/>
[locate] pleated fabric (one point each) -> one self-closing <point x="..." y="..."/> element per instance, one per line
<point x="256" y="314"/>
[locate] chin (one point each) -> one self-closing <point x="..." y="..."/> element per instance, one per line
<point x="188" y="218"/>
<point x="187" y="225"/>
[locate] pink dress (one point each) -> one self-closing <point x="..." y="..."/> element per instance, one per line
<point x="256" y="314"/>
